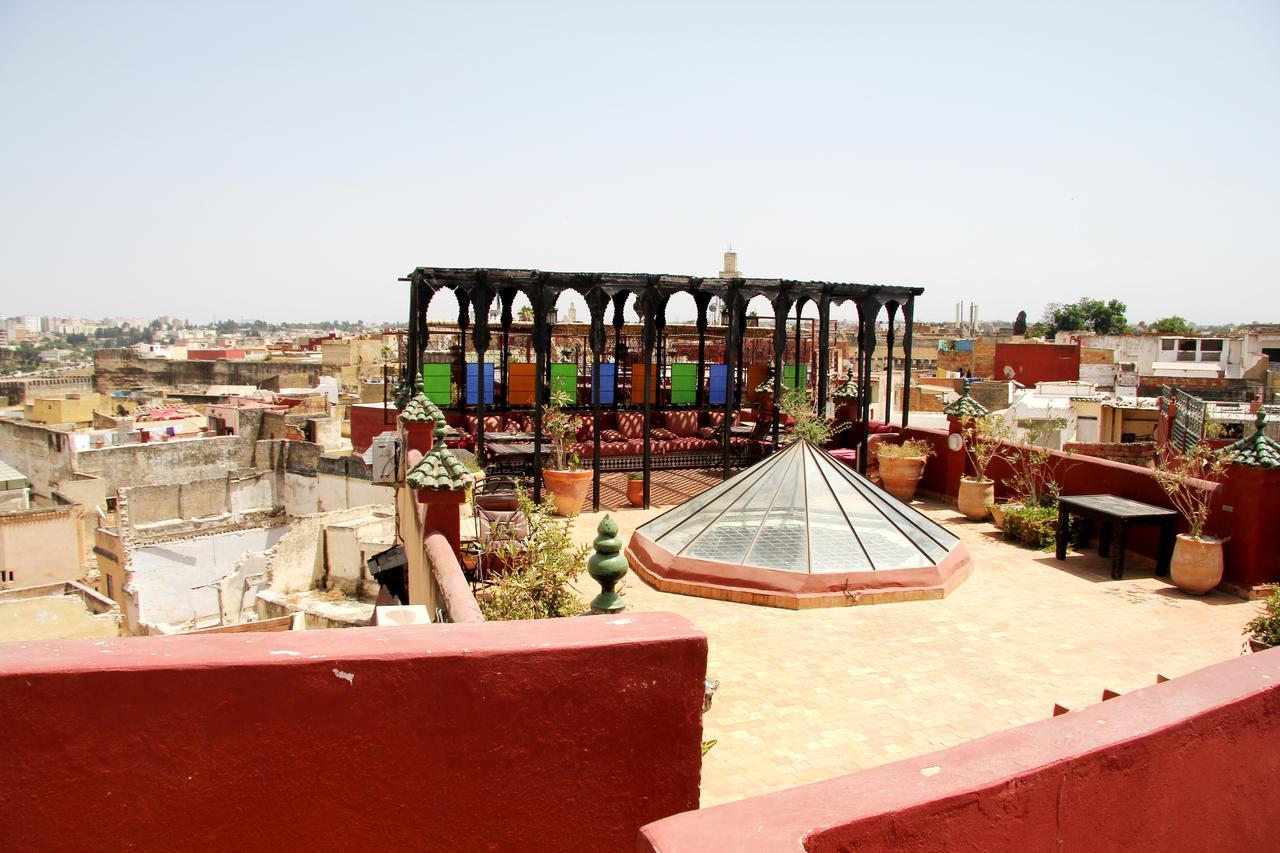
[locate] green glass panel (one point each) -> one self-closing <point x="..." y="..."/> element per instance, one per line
<point x="437" y="383"/>
<point x="789" y="375"/>
<point x="684" y="383"/>
<point x="564" y="379"/>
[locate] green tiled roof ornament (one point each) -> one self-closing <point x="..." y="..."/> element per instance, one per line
<point x="1254" y="451"/>
<point x="439" y="468"/>
<point x="421" y="410"/>
<point x="965" y="406"/>
<point x="607" y="566"/>
<point x="849" y="389"/>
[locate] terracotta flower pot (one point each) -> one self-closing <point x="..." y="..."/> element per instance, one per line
<point x="900" y="475"/>
<point x="568" y="489"/>
<point x="976" y="498"/>
<point x="635" y="492"/>
<point x="1256" y="646"/>
<point x="1197" y="564"/>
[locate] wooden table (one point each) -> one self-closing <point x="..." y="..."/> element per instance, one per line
<point x="508" y="436"/>
<point x="1116" y="515"/>
<point x="514" y="458"/>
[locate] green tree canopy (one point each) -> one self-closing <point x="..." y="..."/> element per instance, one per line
<point x="1174" y="325"/>
<point x="1020" y="323"/>
<point x="1094" y="315"/>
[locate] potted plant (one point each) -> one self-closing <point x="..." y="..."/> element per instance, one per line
<point x="563" y="476"/>
<point x="902" y="466"/>
<point x="1187" y="479"/>
<point x="635" y="488"/>
<point x="983" y="437"/>
<point x="1032" y="484"/>
<point x="798" y="405"/>
<point x="1263" y="630"/>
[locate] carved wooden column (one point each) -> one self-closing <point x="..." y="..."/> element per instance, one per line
<point x="892" y="308"/>
<point x="781" y="307"/>
<point x="508" y="297"/>
<point x="822" y="362"/>
<point x="619" y="321"/>
<point x="701" y="299"/>
<point x="481" y="299"/>
<point x="541" y="339"/>
<point x="464" y="302"/>
<point x="735" y="312"/>
<point x="597" y="303"/>
<point x="908" y="318"/>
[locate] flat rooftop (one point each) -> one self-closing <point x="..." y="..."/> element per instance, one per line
<point x="812" y="694"/>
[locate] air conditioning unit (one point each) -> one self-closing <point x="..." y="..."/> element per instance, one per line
<point x="386" y="458"/>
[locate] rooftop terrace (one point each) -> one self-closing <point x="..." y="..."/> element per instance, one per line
<point x="810" y="695"/>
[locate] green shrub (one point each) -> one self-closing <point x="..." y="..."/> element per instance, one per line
<point x="1265" y="627"/>
<point x="1035" y="526"/>
<point x="539" y="581"/>
<point x="912" y="448"/>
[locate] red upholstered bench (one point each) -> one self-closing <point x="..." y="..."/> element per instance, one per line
<point x="847" y="455"/>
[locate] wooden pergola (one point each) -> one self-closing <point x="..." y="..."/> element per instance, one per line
<point x="476" y="290"/>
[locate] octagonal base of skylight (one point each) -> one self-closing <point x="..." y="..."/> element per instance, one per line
<point x="798" y="530"/>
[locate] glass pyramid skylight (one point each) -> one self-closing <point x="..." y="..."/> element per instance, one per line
<point x="801" y="510"/>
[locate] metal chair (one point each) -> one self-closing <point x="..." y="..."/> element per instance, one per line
<point x="501" y="531"/>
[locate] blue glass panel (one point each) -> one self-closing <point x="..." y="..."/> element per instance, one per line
<point x="719" y="384"/>
<point x="472" y="384"/>
<point x="604" y="384"/>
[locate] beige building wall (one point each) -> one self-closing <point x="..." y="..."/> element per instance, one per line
<point x="41" y="546"/>
<point x="75" y="409"/>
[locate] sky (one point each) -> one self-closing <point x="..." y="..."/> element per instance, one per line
<point x="290" y="161"/>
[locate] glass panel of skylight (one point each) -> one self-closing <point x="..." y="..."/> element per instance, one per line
<point x="783" y="542"/>
<point x="832" y="544"/>
<point x="728" y="539"/>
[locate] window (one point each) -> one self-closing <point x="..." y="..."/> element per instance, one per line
<point x="111" y="592"/>
<point x="1193" y="349"/>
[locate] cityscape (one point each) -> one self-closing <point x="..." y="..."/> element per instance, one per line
<point x="577" y="526"/>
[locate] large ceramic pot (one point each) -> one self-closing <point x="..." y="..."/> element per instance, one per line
<point x="1197" y="564"/>
<point x="635" y="492"/>
<point x="568" y="489"/>
<point x="976" y="497"/>
<point x="900" y="475"/>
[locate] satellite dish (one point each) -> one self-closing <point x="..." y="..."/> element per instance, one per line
<point x="1008" y="372"/>
<point x="955" y="442"/>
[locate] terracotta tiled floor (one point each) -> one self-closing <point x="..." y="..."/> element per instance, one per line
<point x="808" y="695"/>
<point x="666" y="488"/>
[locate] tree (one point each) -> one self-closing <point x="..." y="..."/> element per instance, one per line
<point x="1174" y="325"/>
<point x="1020" y="323"/>
<point x="1103" y="318"/>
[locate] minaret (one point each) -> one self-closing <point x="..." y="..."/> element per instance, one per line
<point x="730" y="265"/>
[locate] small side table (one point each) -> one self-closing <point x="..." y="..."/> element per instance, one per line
<point x="1115" y="516"/>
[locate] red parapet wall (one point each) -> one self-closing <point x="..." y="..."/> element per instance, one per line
<point x="565" y="734"/>
<point x="1244" y="510"/>
<point x="1185" y="765"/>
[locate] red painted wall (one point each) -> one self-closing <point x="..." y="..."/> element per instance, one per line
<point x="214" y="354"/>
<point x="370" y="420"/>
<point x="1245" y="509"/>
<point x="1032" y="363"/>
<point x="566" y="734"/>
<point x="1185" y="765"/>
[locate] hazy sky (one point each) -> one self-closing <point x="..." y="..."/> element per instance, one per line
<point x="291" y="160"/>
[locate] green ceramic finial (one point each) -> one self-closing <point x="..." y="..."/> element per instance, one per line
<point x="439" y="468"/>
<point x="1257" y="450"/>
<point x="607" y="566"/>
